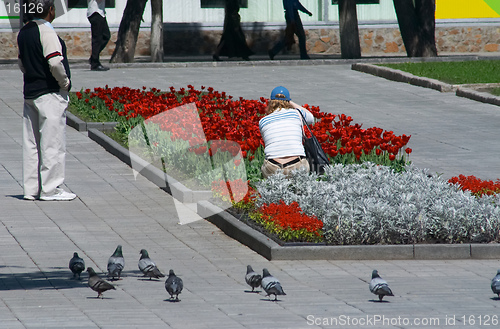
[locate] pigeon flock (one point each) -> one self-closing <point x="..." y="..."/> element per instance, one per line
<point x="116" y="263"/>
<point x="174" y="285"/>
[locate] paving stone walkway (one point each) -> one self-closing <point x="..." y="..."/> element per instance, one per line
<point x="450" y="135"/>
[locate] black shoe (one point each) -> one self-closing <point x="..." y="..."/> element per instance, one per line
<point x="99" y="68"/>
<point x="271" y="55"/>
<point x="305" y="57"/>
<point x="216" y="58"/>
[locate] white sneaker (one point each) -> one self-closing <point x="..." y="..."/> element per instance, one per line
<point x="29" y="197"/>
<point x="59" y="195"/>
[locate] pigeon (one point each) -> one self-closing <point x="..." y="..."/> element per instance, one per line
<point x="495" y="284"/>
<point x="379" y="286"/>
<point x="76" y="265"/>
<point x="252" y="278"/>
<point x="271" y="285"/>
<point x="148" y="267"/>
<point x="98" y="284"/>
<point x="116" y="263"/>
<point x="173" y="285"/>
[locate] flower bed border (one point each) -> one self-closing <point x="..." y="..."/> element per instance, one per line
<point x="465" y="91"/>
<point x="271" y="250"/>
<point x="402" y="76"/>
<point x="80" y="125"/>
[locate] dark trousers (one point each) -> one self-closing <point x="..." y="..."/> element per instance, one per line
<point x="294" y="26"/>
<point x="100" y="37"/>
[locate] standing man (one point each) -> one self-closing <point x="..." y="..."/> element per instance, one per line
<point x="43" y="61"/>
<point x="96" y="14"/>
<point x="293" y="26"/>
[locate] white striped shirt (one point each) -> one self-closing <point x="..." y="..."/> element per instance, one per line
<point x="282" y="132"/>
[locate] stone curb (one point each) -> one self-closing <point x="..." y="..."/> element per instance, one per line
<point x="401" y="76"/>
<point x="153" y="174"/>
<point x="75" y="122"/>
<point x="273" y="251"/>
<point x="80" y="125"/>
<point x="289" y="61"/>
<point x="237" y="230"/>
<point x="262" y="60"/>
<point x="478" y="96"/>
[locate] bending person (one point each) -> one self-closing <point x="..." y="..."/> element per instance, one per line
<point x="282" y="130"/>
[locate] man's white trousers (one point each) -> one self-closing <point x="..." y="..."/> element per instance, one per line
<point x="44" y="143"/>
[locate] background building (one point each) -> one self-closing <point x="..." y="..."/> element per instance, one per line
<point x="194" y="26"/>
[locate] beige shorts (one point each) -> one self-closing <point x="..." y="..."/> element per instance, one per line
<point x="269" y="168"/>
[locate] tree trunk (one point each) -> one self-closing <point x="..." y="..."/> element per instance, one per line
<point x="417" y="25"/>
<point x="128" y="32"/>
<point x="156" y="31"/>
<point x="349" y="33"/>
<point x="426" y="11"/>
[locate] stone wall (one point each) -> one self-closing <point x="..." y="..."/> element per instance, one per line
<point x="376" y="41"/>
<point x="78" y="44"/>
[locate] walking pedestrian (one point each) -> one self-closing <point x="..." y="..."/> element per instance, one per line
<point x="46" y="74"/>
<point x="96" y="14"/>
<point x="232" y="42"/>
<point x="293" y="26"/>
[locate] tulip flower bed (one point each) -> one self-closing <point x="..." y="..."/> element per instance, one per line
<point x="285" y="222"/>
<point x="225" y="118"/>
<point x="389" y="207"/>
<point x="289" y="222"/>
<point x="371" y="204"/>
<point x="229" y="191"/>
<point x="369" y="197"/>
<point x="476" y="186"/>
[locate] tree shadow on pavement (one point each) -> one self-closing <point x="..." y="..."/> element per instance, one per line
<point x="58" y="278"/>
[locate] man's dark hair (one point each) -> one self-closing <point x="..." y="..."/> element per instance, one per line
<point x="39" y="8"/>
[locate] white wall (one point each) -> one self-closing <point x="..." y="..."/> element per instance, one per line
<point x="179" y="11"/>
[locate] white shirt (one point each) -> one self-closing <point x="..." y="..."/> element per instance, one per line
<point x="282" y="132"/>
<point x="96" y="6"/>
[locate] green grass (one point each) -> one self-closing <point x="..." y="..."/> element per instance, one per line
<point x="495" y="91"/>
<point x="85" y="112"/>
<point x="467" y="72"/>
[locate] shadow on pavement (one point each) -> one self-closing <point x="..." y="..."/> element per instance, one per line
<point x="59" y="278"/>
<point x="55" y="279"/>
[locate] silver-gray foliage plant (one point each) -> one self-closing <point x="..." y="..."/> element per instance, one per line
<point x="370" y="204"/>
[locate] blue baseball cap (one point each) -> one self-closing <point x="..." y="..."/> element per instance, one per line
<point x="280" y="93"/>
